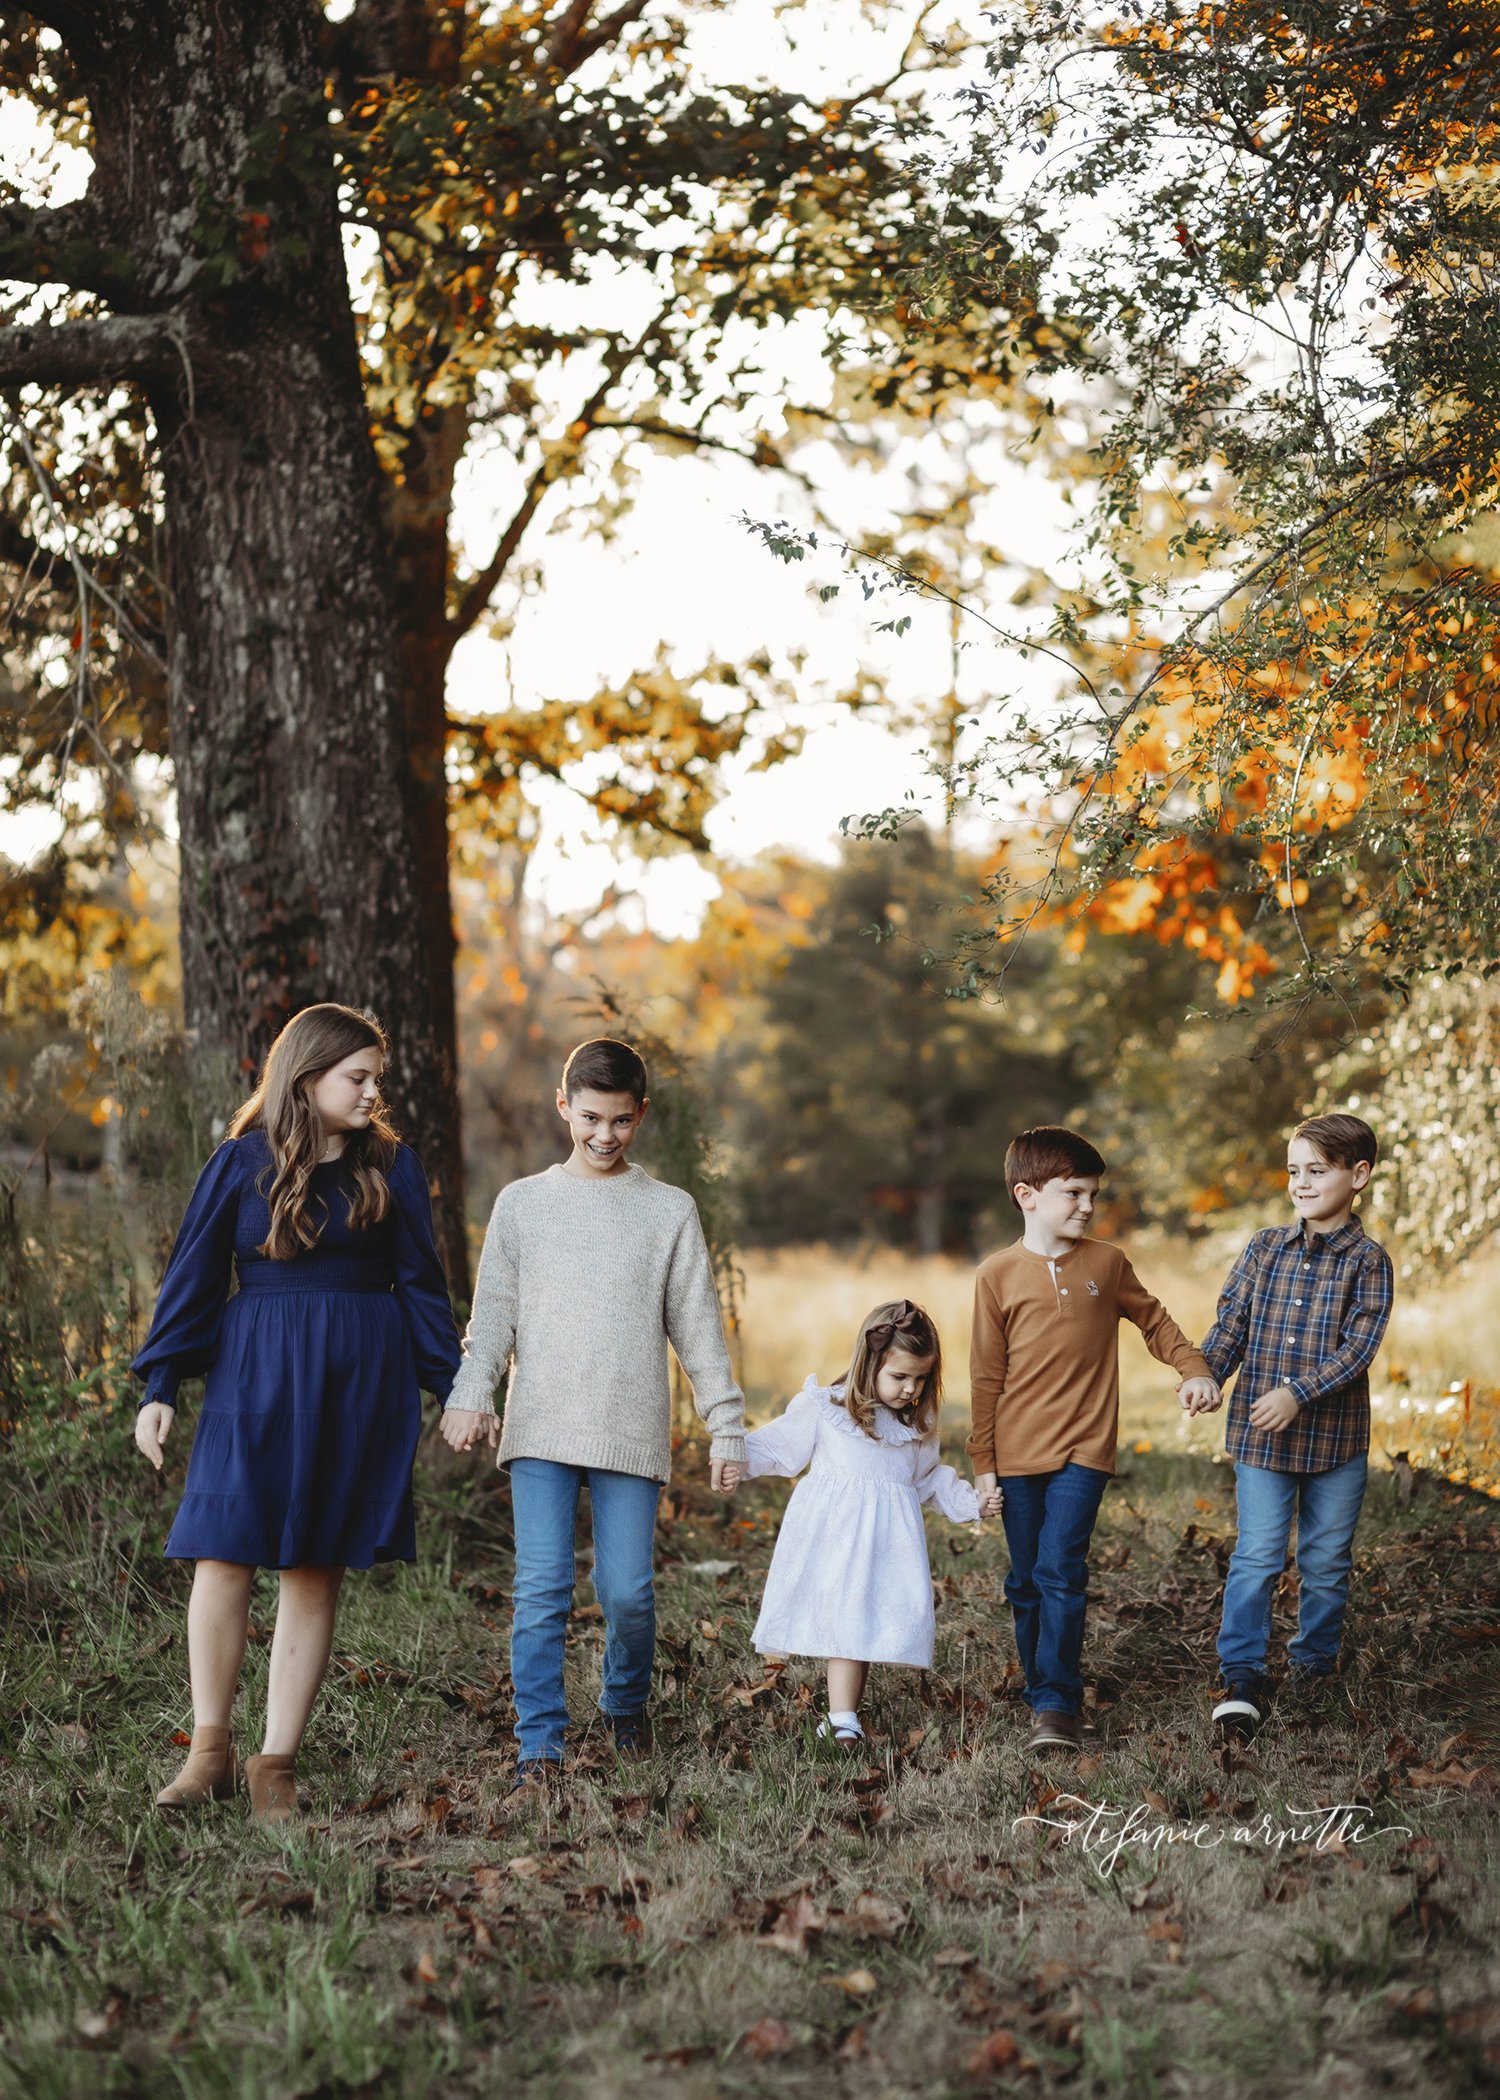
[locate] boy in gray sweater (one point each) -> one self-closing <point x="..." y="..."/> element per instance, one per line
<point x="588" y="1272"/>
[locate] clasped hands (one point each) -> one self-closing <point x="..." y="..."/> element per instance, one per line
<point x="1272" y="1412"/>
<point x="1199" y="1396"/>
<point x="464" y="1427"/>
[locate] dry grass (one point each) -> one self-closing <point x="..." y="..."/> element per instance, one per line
<point x="803" y="1306"/>
<point x="741" y="1914"/>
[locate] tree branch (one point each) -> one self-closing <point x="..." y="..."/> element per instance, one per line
<point x="90" y="352"/>
<point x="394" y="39"/>
<point x="569" y="46"/>
<point x="476" y="593"/>
<point x="478" y="590"/>
<point x="68" y="17"/>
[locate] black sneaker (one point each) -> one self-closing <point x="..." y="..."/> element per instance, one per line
<point x="631" y="1732"/>
<point x="1239" y="1712"/>
<point x="1303" y="1677"/>
<point x="534" y="1779"/>
<point x="1318" y="1693"/>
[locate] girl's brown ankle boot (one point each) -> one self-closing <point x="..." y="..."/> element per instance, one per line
<point x="273" y="1789"/>
<point x="210" y="1772"/>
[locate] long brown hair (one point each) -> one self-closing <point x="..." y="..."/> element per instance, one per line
<point x="309" y="1045"/>
<point x="897" y="1325"/>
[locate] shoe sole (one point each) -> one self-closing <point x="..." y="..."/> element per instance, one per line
<point x="1054" y="1742"/>
<point x="1237" y="1717"/>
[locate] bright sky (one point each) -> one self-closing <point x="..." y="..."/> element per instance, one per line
<point x="681" y="569"/>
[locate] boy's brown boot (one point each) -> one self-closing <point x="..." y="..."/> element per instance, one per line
<point x="273" y="1789"/>
<point x="210" y="1772"/>
<point x="1055" y="1731"/>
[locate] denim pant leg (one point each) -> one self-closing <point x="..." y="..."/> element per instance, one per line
<point x="1265" y="1502"/>
<point x="624" y="1511"/>
<point x="1062" y="1579"/>
<point x="1021" y="1512"/>
<point x="544" y="1499"/>
<point x="1327" y="1512"/>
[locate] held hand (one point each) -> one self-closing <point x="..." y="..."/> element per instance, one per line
<point x="725" y="1475"/>
<point x="987" y="1488"/>
<point x="153" y="1425"/>
<point x="463" y="1429"/>
<point x="1275" y="1410"/>
<point x="1199" y="1396"/>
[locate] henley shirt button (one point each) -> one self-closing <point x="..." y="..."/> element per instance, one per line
<point x="1064" y="1291"/>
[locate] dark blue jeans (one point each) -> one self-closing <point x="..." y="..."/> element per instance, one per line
<point x="544" y="1498"/>
<point x="1049" y="1520"/>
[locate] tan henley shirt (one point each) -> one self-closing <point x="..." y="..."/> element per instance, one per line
<point x="1044" y="1367"/>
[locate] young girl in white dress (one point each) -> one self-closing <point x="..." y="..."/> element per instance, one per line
<point x="850" y="1579"/>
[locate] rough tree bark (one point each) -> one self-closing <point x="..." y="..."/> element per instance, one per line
<point x="213" y="228"/>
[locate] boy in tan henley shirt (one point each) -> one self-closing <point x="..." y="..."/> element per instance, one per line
<point x="1045" y="1382"/>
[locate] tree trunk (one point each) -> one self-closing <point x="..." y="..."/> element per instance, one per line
<point x="299" y="878"/>
<point x="417" y="509"/>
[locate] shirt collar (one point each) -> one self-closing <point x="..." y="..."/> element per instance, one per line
<point x="1337" y="1242"/>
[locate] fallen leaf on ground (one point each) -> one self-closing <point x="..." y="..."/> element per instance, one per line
<point x="797" y="1920"/>
<point x="995" y="2053"/>
<point x="526" y="1866"/>
<point x="954" y="1958"/>
<point x="872" y="1917"/>
<point x="858" y="1983"/>
<point x="767" y="2037"/>
<point x="427" y="1969"/>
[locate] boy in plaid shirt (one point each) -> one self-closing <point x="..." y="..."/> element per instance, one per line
<point x="1301" y="1317"/>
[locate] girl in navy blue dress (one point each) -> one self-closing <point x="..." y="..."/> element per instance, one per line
<point x="311" y="1412"/>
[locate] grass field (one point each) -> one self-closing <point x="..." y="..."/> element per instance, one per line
<point x="739" y="1913"/>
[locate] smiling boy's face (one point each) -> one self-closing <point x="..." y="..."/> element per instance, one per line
<point x="603" y="1128"/>
<point x="1063" y="1206"/>
<point x="1322" y="1191"/>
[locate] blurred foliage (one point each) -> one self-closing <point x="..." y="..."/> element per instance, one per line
<point x="1429" y="1077"/>
<point x="864" y="1104"/>
<point x="1267" y="237"/>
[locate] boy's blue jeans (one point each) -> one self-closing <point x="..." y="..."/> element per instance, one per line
<point x="544" y="1499"/>
<point x="1326" y="1507"/>
<point x="1049" y="1520"/>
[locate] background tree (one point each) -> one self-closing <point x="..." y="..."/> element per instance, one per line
<point x="1267" y="236"/>
<point x="859" y="1102"/>
<point x="266" y="518"/>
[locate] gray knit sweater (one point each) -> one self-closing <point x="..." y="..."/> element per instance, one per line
<point x="584" y="1283"/>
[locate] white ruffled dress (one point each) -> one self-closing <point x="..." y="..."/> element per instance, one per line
<point x="850" y="1574"/>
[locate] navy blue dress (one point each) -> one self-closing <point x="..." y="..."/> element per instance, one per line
<point x="312" y="1409"/>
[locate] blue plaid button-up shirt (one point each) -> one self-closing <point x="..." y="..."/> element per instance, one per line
<point x="1307" y="1311"/>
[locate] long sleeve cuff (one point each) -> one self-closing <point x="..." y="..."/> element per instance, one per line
<point x="960" y="1504"/>
<point x="161" y="1386"/>
<point x="1192" y="1363"/>
<point x="468" y="1396"/>
<point x="730" y="1448"/>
